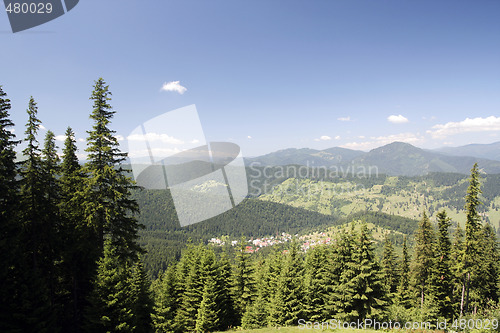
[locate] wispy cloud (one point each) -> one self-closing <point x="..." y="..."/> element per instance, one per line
<point x="323" y="138"/>
<point x="43" y="127"/>
<point x="155" y="151"/>
<point x="377" y="141"/>
<point x="164" y="138"/>
<point x="249" y="137"/>
<point x="174" y="86"/>
<point x="60" y="137"/>
<point x="344" y="118"/>
<point x="478" y="124"/>
<point x="399" y="119"/>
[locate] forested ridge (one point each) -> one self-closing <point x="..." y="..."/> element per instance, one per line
<point x="164" y="239"/>
<point x="72" y="259"/>
<point x="69" y="232"/>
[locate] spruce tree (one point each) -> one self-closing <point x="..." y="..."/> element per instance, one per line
<point x="472" y="265"/>
<point x="444" y="277"/>
<point x="342" y="270"/>
<point x="9" y="228"/>
<point x="141" y="299"/>
<point x="109" y="207"/>
<point x="243" y="283"/>
<point x="424" y="259"/>
<point x="166" y="301"/>
<point x="369" y="298"/>
<point x="315" y="288"/>
<point x="275" y="302"/>
<point x="224" y="298"/>
<point x="207" y="318"/>
<point x="9" y="199"/>
<point x="38" y="230"/>
<point x="33" y="195"/>
<point x="110" y="307"/>
<point x="490" y="268"/>
<point x="51" y="163"/>
<point x="403" y="294"/>
<point x="457" y="268"/>
<point x="192" y="289"/>
<point x="15" y="291"/>
<point x="75" y="235"/>
<point x="256" y="313"/>
<point x="390" y="269"/>
<point x="288" y="298"/>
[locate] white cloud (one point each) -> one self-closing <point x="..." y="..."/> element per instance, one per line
<point x="399" y="119"/>
<point x="337" y="137"/>
<point x="323" y="138"/>
<point x="249" y="137"/>
<point x="81" y="140"/>
<point x="119" y="137"/>
<point x="164" y="138"/>
<point x="344" y="118"/>
<point x="159" y="153"/>
<point x="173" y="86"/>
<point x="60" y="137"/>
<point x="377" y="141"/>
<point x="478" y="124"/>
<point x="43" y="127"/>
<point x="195" y="141"/>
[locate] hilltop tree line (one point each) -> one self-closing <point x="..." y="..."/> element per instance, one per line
<point x="68" y="233"/>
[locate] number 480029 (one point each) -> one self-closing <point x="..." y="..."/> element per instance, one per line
<point x="31" y="8"/>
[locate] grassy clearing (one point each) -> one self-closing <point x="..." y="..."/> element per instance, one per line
<point x="345" y="198"/>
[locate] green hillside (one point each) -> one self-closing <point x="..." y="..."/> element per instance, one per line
<point x="404" y="196"/>
<point x="163" y="238"/>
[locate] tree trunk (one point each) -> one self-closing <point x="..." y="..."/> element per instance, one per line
<point x="422" y="297"/>
<point x="462" y="299"/>
<point x="467" y="296"/>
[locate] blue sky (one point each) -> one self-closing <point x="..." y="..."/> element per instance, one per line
<point x="269" y="74"/>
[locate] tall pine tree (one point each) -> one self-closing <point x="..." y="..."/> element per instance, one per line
<point x="166" y="301"/>
<point x="109" y="207"/>
<point x="444" y="277"/>
<point x="38" y="234"/>
<point x="403" y="297"/>
<point x="14" y="274"/>
<point x="424" y="259"/>
<point x="288" y="299"/>
<point x="369" y="299"/>
<point x="110" y="307"/>
<point x="315" y="288"/>
<point x="390" y="267"/>
<point x="141" y="299"/>
<point x="243" y="282"/>
<point x="472" y="264"/>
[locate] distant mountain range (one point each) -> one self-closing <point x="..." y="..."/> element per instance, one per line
<point x="488" y="151"/>
<point x="396" y="159"/>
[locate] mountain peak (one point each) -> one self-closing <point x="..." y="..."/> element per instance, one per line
<point x="396" y="146"/>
